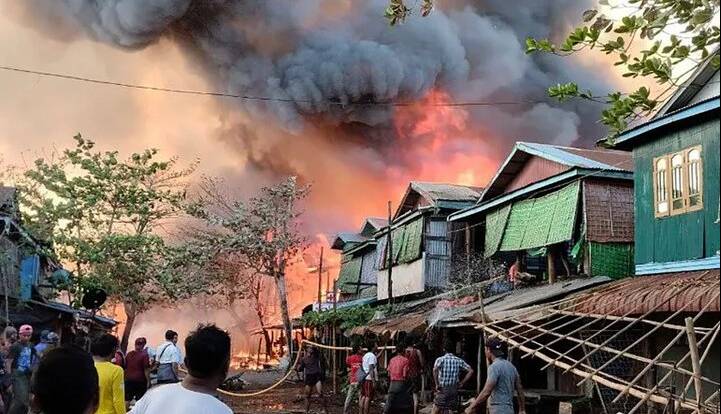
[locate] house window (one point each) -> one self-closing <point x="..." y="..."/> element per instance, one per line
<point x="695" y="183"/>
<point x="661" y="186"/>
<point x="678" y="182"/>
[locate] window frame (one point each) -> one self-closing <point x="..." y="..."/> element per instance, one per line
<point x="668" y="178"/>
<point x="656" y="189"/>
<point x="687" y="172"/>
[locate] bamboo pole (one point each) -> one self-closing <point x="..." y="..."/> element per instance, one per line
<point x="679" y="362"/>
<point x="575" y="301"/>
<point x="578" y="318"/>
<point x="598" y="347"/>
<point x="660" y="355"/>
<point x="615" y="383"/>
<point x="695" y="360"/>
<point x="629" y="312"/>
<point x="558" y="354"/>
<point x="389" y="255"/>
<point x="588" y="297"/>
<point x="627" y="319"/>
<point x="478" y="363"/>
<point x="649" y="333"/>
<point x="705" y="353"/>
<point x="630" y="325"/>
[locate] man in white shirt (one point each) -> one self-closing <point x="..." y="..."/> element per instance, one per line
<point x="169" y="359"/>
<point x="370" y="367"/>
<point x="207" y="360"/>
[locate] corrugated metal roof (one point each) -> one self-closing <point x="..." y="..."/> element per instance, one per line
<point x="595" y="159"/>
<point x="687" y="291"/>
<point x="410" y="323"/>
<point x="341" y="239"/>
<point x="580" y="157"/>
<point x="437" y="195"/>
<point x="377" y="222"/>
<point x="449" y="192"/>
<point x="496" y="307"/>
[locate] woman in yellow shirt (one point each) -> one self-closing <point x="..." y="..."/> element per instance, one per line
<point x="110" y="376"/>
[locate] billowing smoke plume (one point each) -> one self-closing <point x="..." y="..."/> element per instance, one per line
<point x="324" y="59"/>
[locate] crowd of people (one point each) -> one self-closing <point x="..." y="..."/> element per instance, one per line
<point x="50" y="379"/>
<point x="42" y="377"/>
<point x="405" y="369"/>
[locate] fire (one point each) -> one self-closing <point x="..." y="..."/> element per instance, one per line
<point x="439" y="137"/>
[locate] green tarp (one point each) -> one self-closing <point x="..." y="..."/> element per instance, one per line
<point x="349" y="275"/>
<point x="495" y="224"/>
<point x="412" y="241"/>
<point x="538" y="222"/>
<point x="407" y="242"/>
<point x="516" y="227"/>
<point x="614" y="260"/>
<point x="564" y="214"/>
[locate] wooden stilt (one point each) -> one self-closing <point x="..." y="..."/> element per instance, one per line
<point x="551" y="265"/>
<point x="480" y="355"/>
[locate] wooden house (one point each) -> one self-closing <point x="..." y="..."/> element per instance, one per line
<point x="421" y="248"/>
<point x="676" y="158"/>
<point x="554" y="210"/>
<point x="358" y="275"/>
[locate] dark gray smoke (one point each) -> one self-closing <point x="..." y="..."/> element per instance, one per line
<point x="326" y="58"/>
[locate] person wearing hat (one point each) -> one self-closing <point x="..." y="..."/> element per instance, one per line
<point x="501" y="382"/>
<point x="48" y="341"/>
<point x="20" y="363"/>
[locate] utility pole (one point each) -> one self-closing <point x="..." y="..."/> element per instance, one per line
<point x="320" y="279"/>
<point x="389" y="255"/>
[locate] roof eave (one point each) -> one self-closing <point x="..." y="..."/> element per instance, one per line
<point x="629" y="138"/>
<point x="563" y="177"/>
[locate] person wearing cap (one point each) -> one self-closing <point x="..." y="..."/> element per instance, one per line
<point x="137" y="371"/>
<point x="502" y="381"/>
<point x="20" y="363"/>
<point x="48" y="341"/>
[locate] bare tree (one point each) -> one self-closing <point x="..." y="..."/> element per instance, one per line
<point x="262" y="233"/>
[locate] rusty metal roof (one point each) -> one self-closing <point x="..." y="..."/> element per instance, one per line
<point x="687" y="291"/>
<point x="410" y="323"/>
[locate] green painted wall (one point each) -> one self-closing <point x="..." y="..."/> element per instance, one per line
<point x="686" y="236"/>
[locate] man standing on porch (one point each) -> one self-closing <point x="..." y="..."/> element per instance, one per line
<point x="502" y="381"/>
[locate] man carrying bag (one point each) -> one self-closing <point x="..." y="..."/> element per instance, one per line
<point x="169" y="359"/>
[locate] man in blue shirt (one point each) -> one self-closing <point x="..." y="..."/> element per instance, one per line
<point x="501" y="383"/>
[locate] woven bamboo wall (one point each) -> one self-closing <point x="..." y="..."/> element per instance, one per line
<point x="609" y="211"/>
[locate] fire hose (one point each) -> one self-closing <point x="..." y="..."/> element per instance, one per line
<point x="290" y="371"/>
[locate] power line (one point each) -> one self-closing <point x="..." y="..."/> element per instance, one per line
<point x="252" y="97"/>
